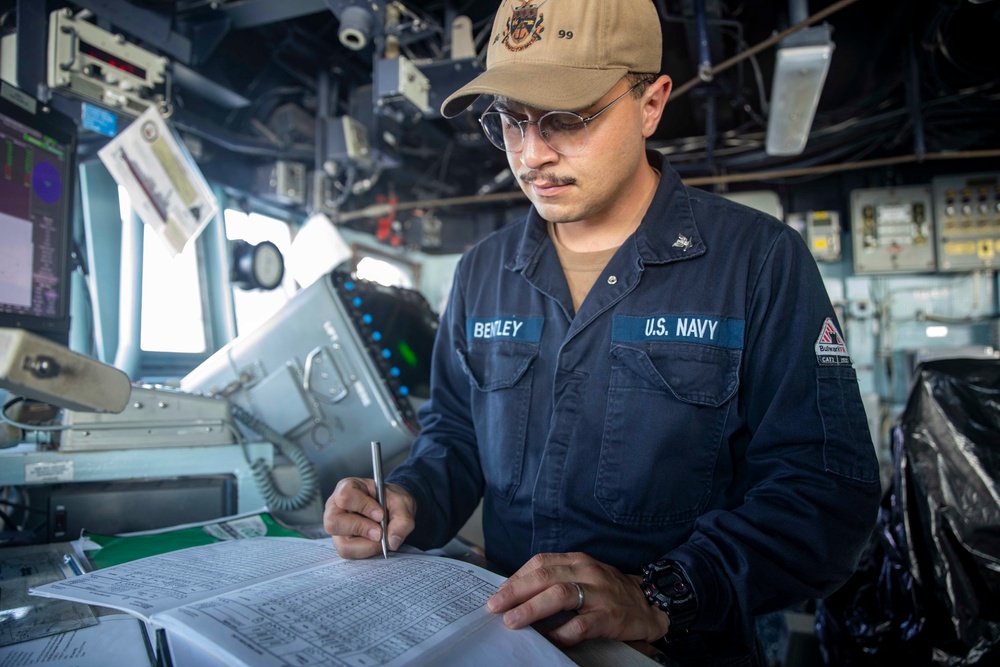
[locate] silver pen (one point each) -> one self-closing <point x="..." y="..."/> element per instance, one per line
<point x="380" y="493"/>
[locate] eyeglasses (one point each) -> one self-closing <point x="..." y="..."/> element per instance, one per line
<point x="564" y="132"/>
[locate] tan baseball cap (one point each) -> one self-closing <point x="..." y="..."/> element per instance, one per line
<point x="563" y="54"/>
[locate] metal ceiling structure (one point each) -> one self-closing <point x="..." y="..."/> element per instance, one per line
<point x="341" y="97"/>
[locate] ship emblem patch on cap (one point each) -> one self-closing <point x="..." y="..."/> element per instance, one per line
<point x="524" y="27"/>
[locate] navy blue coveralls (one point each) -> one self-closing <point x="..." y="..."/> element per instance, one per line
<point x="700" y="406"/>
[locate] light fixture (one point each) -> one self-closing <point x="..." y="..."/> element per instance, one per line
<point x="356" y="25"/>
<point x="800" y="68"/>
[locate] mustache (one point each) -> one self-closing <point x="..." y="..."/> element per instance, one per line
<point x="534" y="175"/>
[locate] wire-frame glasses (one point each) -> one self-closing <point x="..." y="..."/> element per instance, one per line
<point x="565" y="132"/>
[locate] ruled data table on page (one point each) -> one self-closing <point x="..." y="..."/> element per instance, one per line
<point x="349" y="613"/>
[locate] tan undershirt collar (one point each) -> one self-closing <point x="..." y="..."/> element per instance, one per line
<point x="581" y="269"/>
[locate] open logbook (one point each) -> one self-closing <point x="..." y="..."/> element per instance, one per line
<point x="287" y="601"/>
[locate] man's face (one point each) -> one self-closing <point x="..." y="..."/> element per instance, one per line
<point x="589" y="186"/>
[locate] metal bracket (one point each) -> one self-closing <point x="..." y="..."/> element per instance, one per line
<point x="321" y="378"/>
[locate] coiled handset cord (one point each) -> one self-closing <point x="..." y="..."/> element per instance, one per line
<point x="308" y="477"/>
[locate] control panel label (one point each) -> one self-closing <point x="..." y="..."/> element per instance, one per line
<point x="98" y="120"/>
<point x="45" y="472"/>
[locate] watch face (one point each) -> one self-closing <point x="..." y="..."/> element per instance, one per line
<point x="268" y="265"/>
<point x="673" y="586"/>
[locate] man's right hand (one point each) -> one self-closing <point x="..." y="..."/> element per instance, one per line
<point x="353" y="517"/>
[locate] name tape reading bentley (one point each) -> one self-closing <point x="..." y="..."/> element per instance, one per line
<point x="520" y="329"/>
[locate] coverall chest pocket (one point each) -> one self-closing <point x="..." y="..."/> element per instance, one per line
<point x="500" y="374"/>
<point x="667" y="409"/>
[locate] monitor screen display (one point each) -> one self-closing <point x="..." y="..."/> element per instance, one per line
<point x="37" y="161"/>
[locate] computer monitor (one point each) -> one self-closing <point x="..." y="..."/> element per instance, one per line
<point x="37" y="191"/>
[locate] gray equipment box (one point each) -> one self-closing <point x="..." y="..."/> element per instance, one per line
<point x="345" y="362"/>
<point x="114" y="507"/>
<point x="154" y="417"/>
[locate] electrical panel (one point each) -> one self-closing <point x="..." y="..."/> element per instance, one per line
<point x="95" y="64"/>
<point x="823" y="235"/>
<point x="892" y="230"/>
<point x="968" y="213"/>
<point x="283" y="181"/>
<point x="765" y="201"/>
<point x="402" y="87"/>
<point x="347" y="141"/>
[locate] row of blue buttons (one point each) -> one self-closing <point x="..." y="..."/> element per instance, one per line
<point x="376" y="336"/>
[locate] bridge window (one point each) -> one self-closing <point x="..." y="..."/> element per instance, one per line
<point x="172" y="316"/>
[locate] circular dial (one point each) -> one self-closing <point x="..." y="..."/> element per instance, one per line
<point x="268" y="265"/>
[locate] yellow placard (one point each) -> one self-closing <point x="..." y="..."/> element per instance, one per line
<point x="174" y="171"/>
<point x="960" y="248"/>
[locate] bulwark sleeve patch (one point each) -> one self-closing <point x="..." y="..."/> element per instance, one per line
<point x="830" y="347"/>
<point x="701" y="329"/>
<point x="519" y="329"/>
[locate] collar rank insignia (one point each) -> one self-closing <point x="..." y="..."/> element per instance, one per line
<point x="683" y="243"/>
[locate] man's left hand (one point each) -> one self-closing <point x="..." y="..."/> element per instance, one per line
<point x="614" y="605"/>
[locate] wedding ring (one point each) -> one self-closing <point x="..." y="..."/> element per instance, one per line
<point x="579" y="593"/>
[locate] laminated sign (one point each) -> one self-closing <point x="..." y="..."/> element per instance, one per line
<point x="167" y="190"/>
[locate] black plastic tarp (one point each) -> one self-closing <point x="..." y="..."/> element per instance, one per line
<point x="927" y="591"/>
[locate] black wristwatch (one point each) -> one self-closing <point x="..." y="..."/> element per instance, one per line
<point x="667" y="588"/>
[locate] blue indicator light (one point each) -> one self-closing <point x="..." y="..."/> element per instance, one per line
<point x="366" y="318"/>
<point x="357" y="302"/>
<point x="404" y="390"/>
<point x="386" y="353"/>
<point x="348" y="285"/>
<point x="394" y="372"/>
<point x="376" y="336"/>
